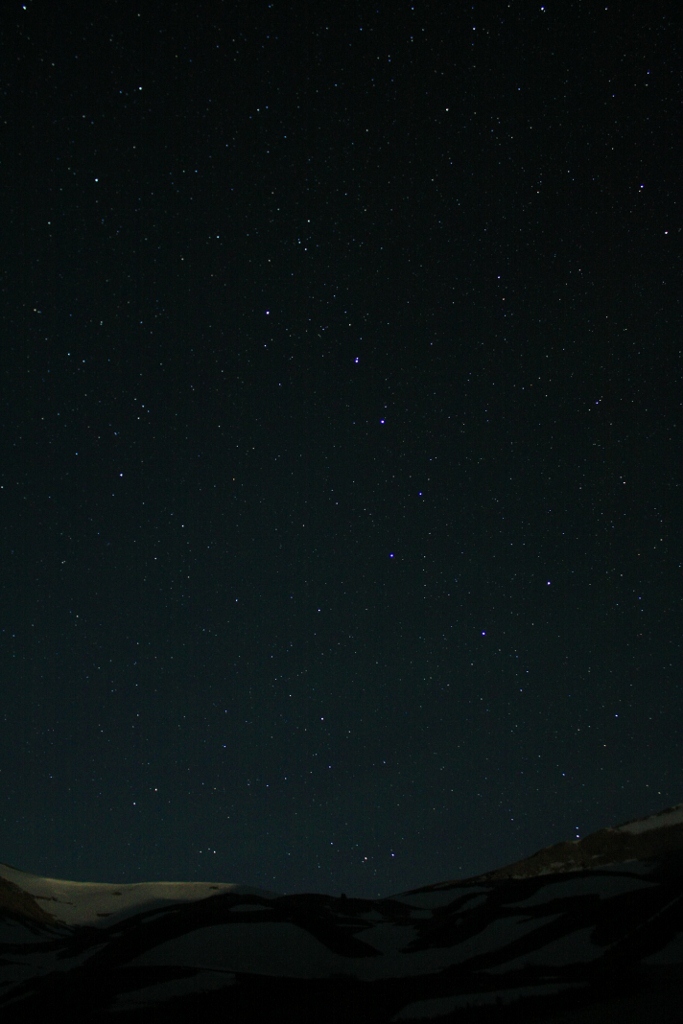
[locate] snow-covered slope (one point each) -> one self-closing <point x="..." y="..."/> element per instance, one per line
<point x="564" y="935"/>
<point x="642" y="839"/>
<point x="92" y="903"/>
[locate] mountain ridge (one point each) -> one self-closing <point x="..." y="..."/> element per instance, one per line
<point x="560" y="937"/>
<point x="640" y="839"/>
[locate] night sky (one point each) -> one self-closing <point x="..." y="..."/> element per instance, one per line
<point x="341" y="427"/>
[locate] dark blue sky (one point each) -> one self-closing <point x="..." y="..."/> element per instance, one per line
<point x="340" y="499"/>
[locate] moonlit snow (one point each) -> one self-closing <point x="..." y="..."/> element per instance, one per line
<point x="573" y="926"/>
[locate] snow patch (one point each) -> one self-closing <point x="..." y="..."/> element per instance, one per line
<point x="664" y="819"/>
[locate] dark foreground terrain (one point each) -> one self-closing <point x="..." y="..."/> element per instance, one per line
<point x="580" y="933"/>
